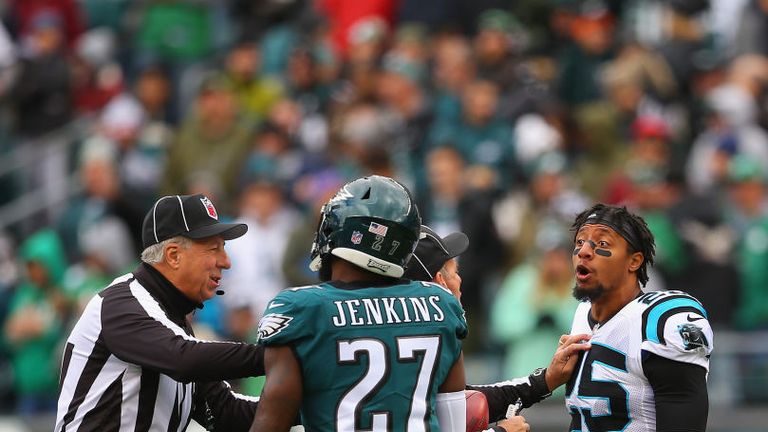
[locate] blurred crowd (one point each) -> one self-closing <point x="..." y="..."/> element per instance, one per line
<point x="505" y="118"/>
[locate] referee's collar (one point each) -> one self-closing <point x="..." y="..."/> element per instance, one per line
<point x="166" y="293"/>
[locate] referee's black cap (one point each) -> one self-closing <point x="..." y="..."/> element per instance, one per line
<point x="192" y="216"/>
<point x="432" y="252"/>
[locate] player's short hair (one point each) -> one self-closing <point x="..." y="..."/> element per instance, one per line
<point x="154" y="254"/>
<point x="628" y="225"/>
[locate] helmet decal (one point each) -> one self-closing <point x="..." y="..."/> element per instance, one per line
<point x="378" y="229"/>
<point x="357" y="237"/>
<point x="341" y="195"/>
<point x="377" y="265"/>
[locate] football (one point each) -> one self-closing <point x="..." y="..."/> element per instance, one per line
<point x="477" y="411"/>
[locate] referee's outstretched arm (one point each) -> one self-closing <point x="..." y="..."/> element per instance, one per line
<point x="136" y="331"/>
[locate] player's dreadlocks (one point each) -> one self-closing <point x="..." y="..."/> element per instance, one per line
<point x="629" y="225"/>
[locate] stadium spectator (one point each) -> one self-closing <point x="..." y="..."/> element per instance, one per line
<point x="451" y="204"/>
<point x="748" y="216"/>
<point x="255" y="93"/>
<point x="214" y="138"/>
<point x="540" y="288"/>
<point x="483" y="139"/>
<point x="311" y="191"/>
<point x="26" y="15"/>
<point x="43" y="105"/>
<point x="256" y="276"/>
<point x="38" y="311"/>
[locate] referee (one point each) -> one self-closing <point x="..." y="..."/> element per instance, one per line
<point x="132" y="362"/>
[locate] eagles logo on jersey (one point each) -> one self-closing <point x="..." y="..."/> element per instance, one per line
<point x="272" y="324"/>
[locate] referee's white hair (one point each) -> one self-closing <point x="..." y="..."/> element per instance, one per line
<point x="154" y="254"/>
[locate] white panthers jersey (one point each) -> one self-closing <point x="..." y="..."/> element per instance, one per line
<point x="609" y="390"/>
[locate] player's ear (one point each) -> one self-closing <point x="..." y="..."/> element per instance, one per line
<point x="635" y="261"/>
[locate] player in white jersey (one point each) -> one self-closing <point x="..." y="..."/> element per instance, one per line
<point x="647" y="368"/>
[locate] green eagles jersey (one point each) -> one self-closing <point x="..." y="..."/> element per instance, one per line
<point x="372" y="358"/>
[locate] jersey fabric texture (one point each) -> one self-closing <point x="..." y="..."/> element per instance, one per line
<point x="132" y="363"/>
<point x="372" y="358"/>
<point x="609" y="390"/>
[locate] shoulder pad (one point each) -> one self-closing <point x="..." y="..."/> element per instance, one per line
<point x="275" y="326"/>
<point x="299" y="288"/>
<point x="661" y="305"/>
<point x="675" y="326"/>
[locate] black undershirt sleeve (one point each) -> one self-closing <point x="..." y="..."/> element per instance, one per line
<point x="216" y="407"/>
<point x="680" y="391"/>
<point x="500" y="395"/>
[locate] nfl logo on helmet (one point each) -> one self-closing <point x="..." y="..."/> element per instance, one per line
<point x="209" y="208"/>
<point x="357" y="237"/>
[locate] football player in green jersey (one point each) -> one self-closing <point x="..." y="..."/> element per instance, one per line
<point x="364" y="349"/>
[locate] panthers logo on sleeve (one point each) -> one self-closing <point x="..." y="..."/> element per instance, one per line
<point x="675" y="326"/>
<point x="272" y="324"/>
<point x="693" y="337"/>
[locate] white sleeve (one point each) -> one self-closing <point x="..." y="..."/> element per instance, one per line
<point x="452" y="411"/>
<point x="685" y="336"/>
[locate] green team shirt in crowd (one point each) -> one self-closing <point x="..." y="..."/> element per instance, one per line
<point x="372" y="358"/>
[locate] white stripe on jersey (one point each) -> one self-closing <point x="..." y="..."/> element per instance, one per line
<point x="108" y="374"/>
<point x="130" y="405"/>
<point x="83" y="337"/>
<point x="242" y="396"/>
<point x="153" y="309"/>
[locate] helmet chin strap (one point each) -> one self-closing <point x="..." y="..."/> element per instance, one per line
<point x="316" y="263"/>
<point x="325" y="273"/>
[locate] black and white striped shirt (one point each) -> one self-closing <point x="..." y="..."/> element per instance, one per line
<point x="132" y="363"/>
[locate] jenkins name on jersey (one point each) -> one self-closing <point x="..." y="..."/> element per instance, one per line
<point x="363" y="345"/>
